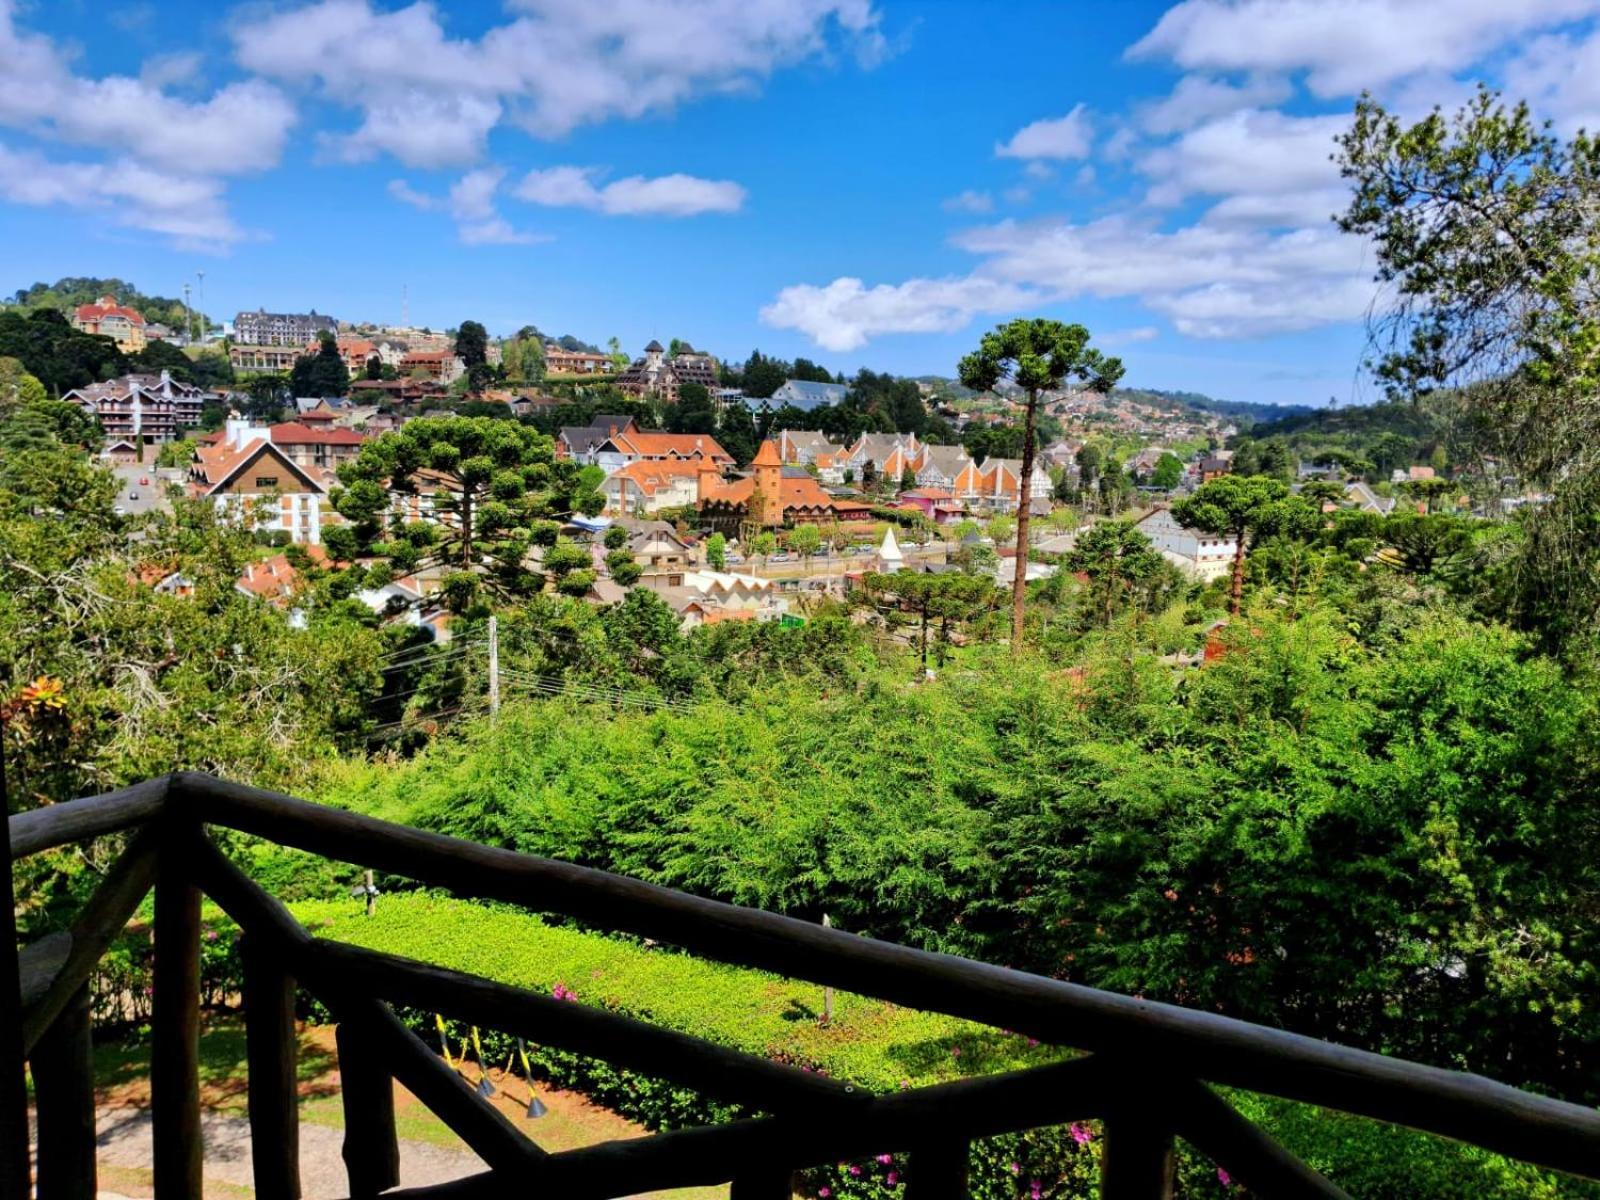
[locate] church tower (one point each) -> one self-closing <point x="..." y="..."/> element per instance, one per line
<point x="768" y="469"/>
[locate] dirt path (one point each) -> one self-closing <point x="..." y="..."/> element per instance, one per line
<point x="429" y="1152"/>
<point x="125" y="1147"/>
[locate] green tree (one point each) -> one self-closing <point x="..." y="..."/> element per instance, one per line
<point x="495" y="489"/>
<point x="1244" y="507"/>
<point x="17" y="387"/>
<point x="1486" y="239"/>
<point x="943" y="598"/>
<point x="805" y="540"/>
<point x="374" y="368"/>
<point x="717" y="552"/>
<point x="322" y="373"/>
<point x="1168" y="472"/>
<point x="1119" y="561"/>
<point x="1036" y="355"/>
<point x="158" y="356"/>
<point x="763" y="545"/>
<point x="694" y="412"/>
<point x="908" y="479"/>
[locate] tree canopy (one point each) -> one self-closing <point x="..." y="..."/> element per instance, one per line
<point x="495" y="488"/>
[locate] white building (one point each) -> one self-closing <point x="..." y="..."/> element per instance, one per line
<point x="1201" y="556"/>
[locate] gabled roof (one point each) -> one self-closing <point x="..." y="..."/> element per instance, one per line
<point x="293" y="433"/>
<point x="217" y="466"/>
<point x="652" y="475"/>
<point x="807" y="395"/>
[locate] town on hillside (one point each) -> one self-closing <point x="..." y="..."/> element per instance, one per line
<point x="733" y="491"/>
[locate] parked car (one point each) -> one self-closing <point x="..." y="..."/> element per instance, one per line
<point x="144" y="481"/>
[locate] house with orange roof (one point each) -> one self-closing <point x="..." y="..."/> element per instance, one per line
<point x="108" y="318"/>
<point x="649" y="485"/>
<point x="255" y="481"/>
<point x="770" y="495"/>
<point x="996" y="484"/>
<point x="632" y="444"/>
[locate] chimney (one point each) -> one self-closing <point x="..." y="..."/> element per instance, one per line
<point x="234" y="430"/>
<point x="166" y="383"/>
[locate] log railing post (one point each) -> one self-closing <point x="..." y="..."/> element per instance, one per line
<point x="1136" y="1159"/>
<point x="175" y="1053"/>
<point x="13" y="1081"/>
<point x="63" y="1085"/>
<point x="371" y="1147"/>
<point x="272" y="1053"/>
<point x="938" y="1171"/>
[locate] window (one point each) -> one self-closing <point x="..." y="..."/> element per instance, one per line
<point x="266" y="481"/>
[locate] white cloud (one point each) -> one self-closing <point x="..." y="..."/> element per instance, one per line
<point x="187" y="209"/>
<point x="635" y="196"/>
<point x="1198" y="98"/>
<point x="430" y="99"/>
<point x="166" y="156"/>
<point x="1057" y="137"/>
<point x="471" y="202"/>
<point x="1560" y="76"/>
<point x="969" y="201"/>
<point x="1128" y="337"/>
<point x="1347" y="46"/>
<point x="1210" y="280"/>
<point x="846" y="313"/>
<point x="1250" y="153"/>
<point x="241" y="128"/>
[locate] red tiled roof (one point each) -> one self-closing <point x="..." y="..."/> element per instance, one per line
<point x="97" y="312"/>
<point x="293" y="433"/>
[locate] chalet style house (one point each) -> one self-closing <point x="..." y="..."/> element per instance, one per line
<point x="613" y="442"/>
<point x="657" y="375"/>
<point x="770" y="495"/>
<point x="156" y="408"/>
<point x="253" y="478"/>
<point x="108" y="318"/>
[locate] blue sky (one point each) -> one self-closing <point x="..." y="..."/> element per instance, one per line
<point x="864" y="182"/>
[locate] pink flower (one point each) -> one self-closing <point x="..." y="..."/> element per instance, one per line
<point x="886" y="1159"/>
<point x="1033" y="1042"/>
<point x="955" y="1051"/>
<point x="825" y="1192"/>
<point x="892" y="1178"/>
<point x="1224" y="1178"/>
<point x="1081" y="1134"/>
<point x="855" y="1170"/>
<point x="1016" y="1168"/>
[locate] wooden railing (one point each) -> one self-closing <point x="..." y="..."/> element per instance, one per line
<point x="1146" y="1072"/>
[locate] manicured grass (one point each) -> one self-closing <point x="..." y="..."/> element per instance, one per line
<point x="874" y="1044"/>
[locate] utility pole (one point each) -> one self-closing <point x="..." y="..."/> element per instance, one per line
<point x="204" y="323"/>
<point x="188" y="317"/>
<point x="494" y="665"/>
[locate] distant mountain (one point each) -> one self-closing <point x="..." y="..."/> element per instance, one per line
<point x="1242" y="412"/>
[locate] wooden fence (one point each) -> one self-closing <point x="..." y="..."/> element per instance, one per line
<point x="1146" y="1072"/>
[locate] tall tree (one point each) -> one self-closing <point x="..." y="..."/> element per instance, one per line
<point x="1486" y="237"/>
<point x="1036" y="355"/>
<point x="322" y="373"/>
<point x="1118" y="560"/>
<point x="694" y="411"/>
<point x="1244" y="507"/>
<point x="494" y="489"/>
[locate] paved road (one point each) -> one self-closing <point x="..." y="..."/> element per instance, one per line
<point x="134" y="497"/>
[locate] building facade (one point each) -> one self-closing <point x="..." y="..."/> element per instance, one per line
<point x="296" y="330"/>
<point x="110" y="319"/>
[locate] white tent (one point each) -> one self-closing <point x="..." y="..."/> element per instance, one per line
<point x="890" y="559"/>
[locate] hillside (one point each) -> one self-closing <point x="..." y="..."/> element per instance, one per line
<point x="67" y="293"/>
<point x="1244" y="412"/>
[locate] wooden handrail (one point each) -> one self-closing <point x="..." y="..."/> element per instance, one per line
<point x="1173" y="1040"/>
<point x="1137" y="1049"/>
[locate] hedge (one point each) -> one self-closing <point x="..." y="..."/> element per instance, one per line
<point x="877" y="1045"/>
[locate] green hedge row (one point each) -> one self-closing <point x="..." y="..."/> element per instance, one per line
<point x="877" y="1045"/>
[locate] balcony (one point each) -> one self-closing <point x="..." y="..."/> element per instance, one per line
<point x="1146" y="1070"/>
